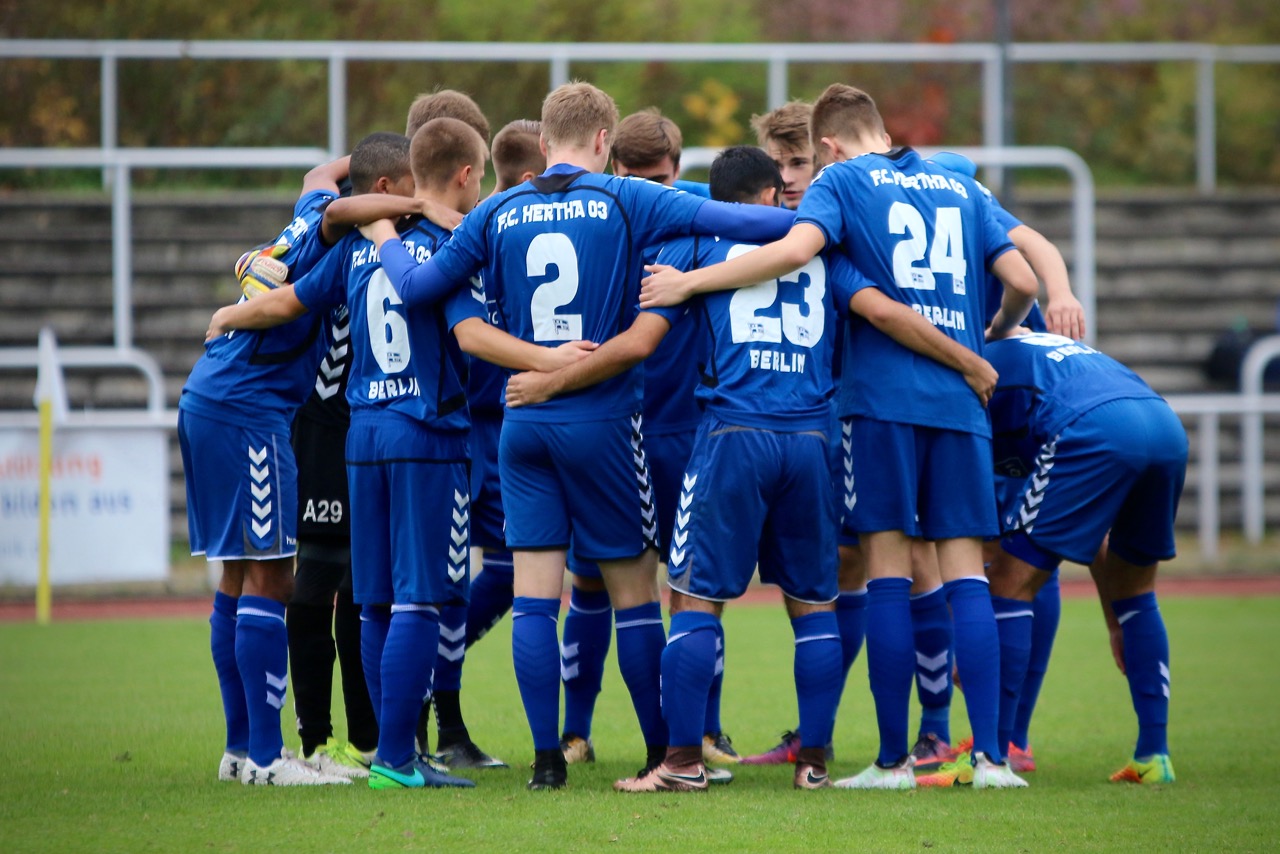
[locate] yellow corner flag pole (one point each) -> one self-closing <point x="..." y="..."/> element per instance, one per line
<point x="51" y="401"/>
<point x="44" y="595"/>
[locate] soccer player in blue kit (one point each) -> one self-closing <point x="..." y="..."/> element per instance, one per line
<point x="407" y="445"/>
<point x="757" y="484"/>
<point x="920" y="437"/>
<point x="241" y="481"/>
<point x="561" y="259"/>
<point x="1101" y="452"/>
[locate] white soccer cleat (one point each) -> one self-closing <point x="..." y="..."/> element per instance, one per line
<point x="231" y="765"/>
<point x="287" y="770"/>
<point x="898" y="776"/>
<point x="339" y="760"/>
<point x="989" y="775"/>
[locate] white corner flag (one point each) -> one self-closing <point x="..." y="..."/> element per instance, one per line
<point x="49" y="386"/>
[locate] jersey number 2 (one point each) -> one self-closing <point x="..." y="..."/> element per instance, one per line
<point x="546" y="250"/>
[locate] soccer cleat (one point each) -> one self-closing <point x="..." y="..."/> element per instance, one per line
<point x="1021" y="761"/>
<point x="577" y="749"/>
<point x="783" y="753"/>
<point x="550" y="771"/>
<point x="930" y="752"/>
<point x="1151" y="770"/>
<point x="416" y="774"/>
<point x="809" y="777"/>
<point x="719" y="776"/>
<point x="897" y="776"/>
<point x="465" y="754"/>
<point x="957" y="772"/>
<point x="339" y="759"/>
<point x="666" y="779"/>
<point x="718" y="747"/>
<point x="990" y="775"/>
<point x="231" y="765"/>
<point x="287" y="770"/>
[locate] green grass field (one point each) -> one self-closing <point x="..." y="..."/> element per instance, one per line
<point x="112" y="734"/>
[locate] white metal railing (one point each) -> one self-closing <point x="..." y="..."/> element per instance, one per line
<point x="777" y="59"/>
<point x="122" y="162"/>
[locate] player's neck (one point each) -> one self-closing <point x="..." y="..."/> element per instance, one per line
<point x="446" y="198"/>
<point x="584" y="157"/>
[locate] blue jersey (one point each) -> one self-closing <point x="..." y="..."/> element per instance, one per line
<point x="1046" y="382"/>
<point x="404" y="360"/>
<point x="260" y="378"/>
<point x="561" y="260"/>
<point x="995" y="288"/>
<point x="767" y="361"/>
<point x="925" y="236"/>
<point x="485" y="380"/>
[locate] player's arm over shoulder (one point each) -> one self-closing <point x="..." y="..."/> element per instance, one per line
<point x="273" y="308"/>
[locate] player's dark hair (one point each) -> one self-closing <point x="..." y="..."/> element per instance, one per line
<point x="378" y="155"/>
<point x="844" y="112"/>
<point x="516" y="151"/>
<point x="742" y="173"/>
<point x="446" y="104"/>
<point x="644" y="138"/>
<point x="440" y="148"/>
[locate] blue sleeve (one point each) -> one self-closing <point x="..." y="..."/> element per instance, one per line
<point x="845" y="280"/>
<point x="462" y="304"/>
<point x="1006" y="220"/>
<point x="753" y="223"/>
<point x="417" y="284"/>
<point x="697" y="188"/>
<point x="996" y="235"/>
<point x="821" y="207"/>
<point x="325" y="286"/>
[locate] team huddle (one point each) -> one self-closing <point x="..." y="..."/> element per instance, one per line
<point x="838" y="377"/>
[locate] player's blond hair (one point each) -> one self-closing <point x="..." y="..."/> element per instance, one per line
<point x="516" y="151"/>
<point x="446" y="104"/>
<point x="788" y="126"/>
<point x="440" y="148"/>
<point x="574" y="113"/>
<point x="644" y="138"/>
<point x="844" y="112"/>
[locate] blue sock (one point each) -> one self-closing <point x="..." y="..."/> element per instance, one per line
<point x="408" y="657"/>
<point x="688" y="669"/>
<point x="817" y="674"/>
<point x="890" y="654"/>
<point x="375" y="620"/>
<point x="1146" y="663"/>
<point x="452" y="650"/>
<point x="1014" y="622"/>
<point x="711" y="724"/>
<point x="491" y="594"/>
<point x="977" y="650"/>
<point x="222" y="642"/>
<point x="931" y="624"/>
<point x="851" y="614"/>
<point x="641" y="641"/>
<point x="1047" y="607"/>
<point x="262" y="656"/>
<point x="535" y="655"/>
<point x="588" y="628"/>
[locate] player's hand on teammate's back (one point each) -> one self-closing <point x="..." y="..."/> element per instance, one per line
<point x="663" y="288"/>
<point x="527" y="388"/>
<point x="1065" y="316"/>
<point x="379" y="231"/>
<point x="566" y="354"/>
<point x="982" y="379"/>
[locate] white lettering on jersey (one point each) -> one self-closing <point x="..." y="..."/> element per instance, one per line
<point x="1062" y="347"/>
<point x="772" y="360"/>
<point x="386" y="389"/>
<point x="553" y="212"/>
<point x="919" y="181"/>
<point x="947" y="318"/>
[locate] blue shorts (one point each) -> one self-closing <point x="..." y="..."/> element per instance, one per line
<point x="410" y="521"/>
<point x="589" y="481"/>
<point x="751" y="496"/>
<point x="1118" y="468"/>
<point x="923" y="481"/>
<point x="487" y="520"/>
<point x="242" y="490"/>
